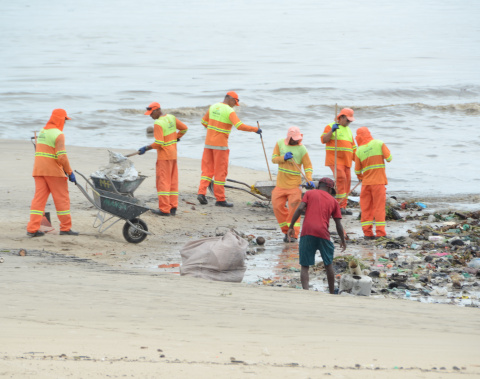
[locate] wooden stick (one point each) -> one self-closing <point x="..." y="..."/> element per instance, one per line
<point x="354" y="188"/>
<point x="299" y="169"/>
<point x="335" y="163"/>
<point x="131" y="155"/>
<point x="264" y="152"/>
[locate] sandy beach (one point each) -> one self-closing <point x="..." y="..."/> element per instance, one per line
<point x="98" y="306"/>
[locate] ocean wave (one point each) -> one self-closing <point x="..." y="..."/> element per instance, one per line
<point x="180" y="112"/>
<point x="465" y="91"/>
<point x="468" y="108"/>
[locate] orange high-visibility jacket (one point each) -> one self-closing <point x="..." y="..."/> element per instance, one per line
<point x="345" y="146"/>
<point x="50" y="153"/>
<point x="219" y="120"/>
<point x="166" y="135"/>
<point x="288" y="174"/>
<point x="370" y="158"/>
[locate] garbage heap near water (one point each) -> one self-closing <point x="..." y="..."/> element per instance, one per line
<point x="119" y="168"/>
<point x="435" y="263"/>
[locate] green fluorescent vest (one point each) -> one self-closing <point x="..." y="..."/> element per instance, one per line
<point x="371" y="149"/>
<point x="298" y="151"/>
<point x="220" y="112"/>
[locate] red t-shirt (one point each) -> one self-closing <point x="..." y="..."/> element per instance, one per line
<point x="320" y="207"/>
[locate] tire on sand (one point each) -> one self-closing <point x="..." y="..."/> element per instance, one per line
<point x="133" y="235"/>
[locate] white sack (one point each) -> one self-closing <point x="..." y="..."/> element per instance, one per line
<point x="215" y="258"/>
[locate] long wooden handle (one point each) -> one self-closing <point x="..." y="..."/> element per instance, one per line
<point x="299" y="169"/>
<point x="353" y="189"/>
<point x="264" y="152"/>
<point x="131" y="155"/>
<point x="335" y="162"/>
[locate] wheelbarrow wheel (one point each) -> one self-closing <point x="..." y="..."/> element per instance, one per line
<point x="133" y="235"/>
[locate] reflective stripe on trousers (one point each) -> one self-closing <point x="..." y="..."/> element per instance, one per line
<point x="58" y="187"/>
<point x="167" y="184"/>
<point x="372" y="205"/>
<point x="280" y="198"/>
<point x="343" y="183"/>
<point x="214" y="167"/>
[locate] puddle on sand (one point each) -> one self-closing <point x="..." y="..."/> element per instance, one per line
<point x="277" y="261"/>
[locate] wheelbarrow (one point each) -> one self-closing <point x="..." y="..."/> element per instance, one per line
<point x="113" y="207"/>
<point x="126" y="187"/>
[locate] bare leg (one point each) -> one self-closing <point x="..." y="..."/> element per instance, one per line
<point x="305" y="279"/>
<point x="330" y="278"/>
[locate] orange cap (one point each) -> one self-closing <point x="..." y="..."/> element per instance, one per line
<point x="346" y="112"/>
<point x="152" y="107"/>
<point x="234" y="95"/>
<point x="61" y="113"/>
<point x="294" y="132"/>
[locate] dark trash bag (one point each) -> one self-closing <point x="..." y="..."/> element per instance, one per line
<point x="215" y="258"/>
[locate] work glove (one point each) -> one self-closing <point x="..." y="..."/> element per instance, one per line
<point x="334" y="127"/>
<point x="288" y="156"/>
<point x="142" y="150"/>
<point x="259" y="131"/>
<point x="310" y="185"/>
<point x="178" y="140"/>
<point x="72" y="178"/>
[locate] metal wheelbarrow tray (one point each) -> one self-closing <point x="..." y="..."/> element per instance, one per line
<point x="123" y="186"/>
<point x="113" y="207"/>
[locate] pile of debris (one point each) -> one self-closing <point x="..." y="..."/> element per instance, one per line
<point x="119" y="168"/>
<point x="435" y="263"/>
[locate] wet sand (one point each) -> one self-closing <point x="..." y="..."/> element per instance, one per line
<point x="95" y="305"/>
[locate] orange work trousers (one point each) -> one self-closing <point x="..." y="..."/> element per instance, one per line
<point x="214" y="168"/>
<point x="167" y="184"/>
<point x="343" y="183"/>
<point x="372" y="203"/>
<point x="58" y="187"/>
<point x="284" y="213"/>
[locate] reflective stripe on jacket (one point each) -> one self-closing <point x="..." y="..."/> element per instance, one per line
<point x="219" y="120"/>
<point x="288" y="174"/>
<point x="370" y="162"/>
<point x="345" y="146"/>
<point x="165" y="133"/>
<point x="50" y="154"/>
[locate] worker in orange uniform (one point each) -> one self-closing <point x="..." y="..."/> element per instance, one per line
<point x="345" y="153"/>
<point x="166" y="138"/>
<point x="50" y="172"/>
<point x="370" y="169"/>
<point x="290" y="155"/>
<point x="218" y="121"/>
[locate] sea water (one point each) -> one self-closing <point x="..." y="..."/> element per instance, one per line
<point x="409" y="69"/>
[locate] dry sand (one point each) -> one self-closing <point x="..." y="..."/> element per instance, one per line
<point x="72" y="307"/>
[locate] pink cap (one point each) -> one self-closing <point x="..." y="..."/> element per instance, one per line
<point x="294" y="132"/>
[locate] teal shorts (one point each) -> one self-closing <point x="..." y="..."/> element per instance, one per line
<point x="308" y="247"/>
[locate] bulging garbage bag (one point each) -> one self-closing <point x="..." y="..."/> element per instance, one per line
<point x="216" y="258"/>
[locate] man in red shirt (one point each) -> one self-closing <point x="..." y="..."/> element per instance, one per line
<point x="320" y="205"/>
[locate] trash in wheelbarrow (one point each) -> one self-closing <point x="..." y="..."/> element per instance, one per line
<point x="118" y="176"/>
<point x="113" y="207"/>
